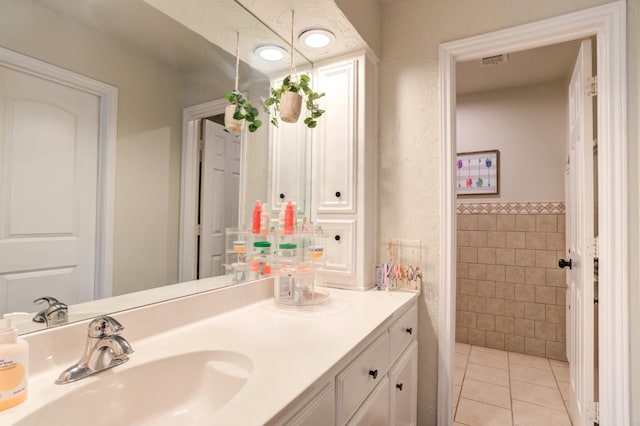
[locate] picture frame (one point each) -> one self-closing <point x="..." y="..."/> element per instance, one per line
<point x="478" y="173"/>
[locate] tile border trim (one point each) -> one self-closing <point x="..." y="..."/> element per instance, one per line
<point x="546" y="207"/>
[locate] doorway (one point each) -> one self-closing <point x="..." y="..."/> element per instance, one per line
<point x="195" y="122"/>
<point x="511" y="295"/>
<point x="607" y="23"/>
<point x="218" y="194"/>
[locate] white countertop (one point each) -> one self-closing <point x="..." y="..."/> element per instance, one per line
<point x="290" y="348"/>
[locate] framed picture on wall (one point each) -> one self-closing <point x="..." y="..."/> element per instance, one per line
<point x="478" y="173"/>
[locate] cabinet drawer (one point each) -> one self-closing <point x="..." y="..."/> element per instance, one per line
<point x="375" y="410"/>
<point x="356" y="381"/>
<point x="340" y="250"/>
<point x="403" y="388"/>
<point x="402" y="332"/>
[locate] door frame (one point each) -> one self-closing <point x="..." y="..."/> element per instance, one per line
<point x="608" y="24"/>
<point x="187" y="255"/>
<point x="107" y="140"/>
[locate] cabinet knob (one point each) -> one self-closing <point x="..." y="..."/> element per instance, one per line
<point x="409" y="330"/>
<point x="282" y="196"/>
<point x="338" y="194"/>
<point x="337" y="237"/>
<point x="399" y="386"/>
<point x="373" y="373"/>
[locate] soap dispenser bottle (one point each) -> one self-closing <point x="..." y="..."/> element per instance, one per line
<point x="14" y="370"/>
<point x="289" y="219"/>
<point x="257" y="214"/>
<point x="264" y="219"/>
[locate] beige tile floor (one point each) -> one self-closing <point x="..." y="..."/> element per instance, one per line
<point x="496" y="388"/>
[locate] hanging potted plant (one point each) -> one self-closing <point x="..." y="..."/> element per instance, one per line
<point x="286" y="101"/>
<point x="238" y="111"/>
<point x="240" y="108"/>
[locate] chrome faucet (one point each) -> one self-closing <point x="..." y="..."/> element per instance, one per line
<point x="55" y="313"/>
<point x="105" y="349"/>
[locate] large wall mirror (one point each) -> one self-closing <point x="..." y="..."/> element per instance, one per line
<point x="155" y="59"/>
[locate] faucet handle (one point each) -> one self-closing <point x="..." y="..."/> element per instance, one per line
<point x="104" y="326"/>
<point x="50" y="301"/>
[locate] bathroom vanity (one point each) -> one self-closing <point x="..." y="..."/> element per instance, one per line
<point x="234" y="356"/>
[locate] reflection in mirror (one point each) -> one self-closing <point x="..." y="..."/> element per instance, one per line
<point x="93" y="97"/>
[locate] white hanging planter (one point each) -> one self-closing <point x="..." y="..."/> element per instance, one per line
<point x="231" y="124"/>
<point x="290" y="107"/>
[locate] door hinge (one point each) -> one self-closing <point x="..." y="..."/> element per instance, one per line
<point x="592" y="86"/>
<point x="198" y="230"/>
<point x="593" y="412"/>
<point x="201" y="145"/>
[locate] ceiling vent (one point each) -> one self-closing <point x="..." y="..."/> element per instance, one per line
<point x="493" y="60"/>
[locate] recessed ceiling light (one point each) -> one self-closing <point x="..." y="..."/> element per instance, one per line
<point x="270" y="52"/>
<point x="317" y="39"/>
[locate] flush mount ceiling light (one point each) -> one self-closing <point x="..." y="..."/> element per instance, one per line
<point x="317" y="39"/>
<point x="271" y="52"/>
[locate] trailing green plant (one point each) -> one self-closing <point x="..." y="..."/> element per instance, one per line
<point x="301" y="87"/>
<point x="244" y="110"/>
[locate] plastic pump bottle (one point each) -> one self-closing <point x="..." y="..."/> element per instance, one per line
<point x="14" y="368"/>
<point x="289" y="218"/>
<point x="264" y="219"/>
<point x="257" y="214"/>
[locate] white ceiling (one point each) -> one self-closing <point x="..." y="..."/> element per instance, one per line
<point x="309" y="14"/>
<point x="261" y="22"/>
<point x="534" y="66"/>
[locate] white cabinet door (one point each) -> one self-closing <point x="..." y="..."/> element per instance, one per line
<point x="334" y="152"/>
<point x="403" y="381"/>
<point x="289" y="154"/>
<point x="375" y="410"/>
<point x="320" y="411"/>
<point x="341" y="246"/>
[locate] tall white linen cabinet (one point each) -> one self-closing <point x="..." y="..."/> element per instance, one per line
<point x="344" y="169"/>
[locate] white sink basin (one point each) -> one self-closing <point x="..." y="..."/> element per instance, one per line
<point x="185" y="389"/>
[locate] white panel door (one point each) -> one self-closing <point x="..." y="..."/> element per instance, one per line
<point x="580" y="239"/>
<point x="334" y="183"/>
<point x="48" y="189"/>
<point x="219" y="192"/>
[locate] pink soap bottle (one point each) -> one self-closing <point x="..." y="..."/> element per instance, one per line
<point x="257" y="213"/>
<point x="288" y="218"/>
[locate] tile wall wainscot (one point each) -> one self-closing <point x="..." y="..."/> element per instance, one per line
<point x="510" y="292"/>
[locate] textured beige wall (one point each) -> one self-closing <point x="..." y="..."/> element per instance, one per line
<point x="409" y="170"/>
